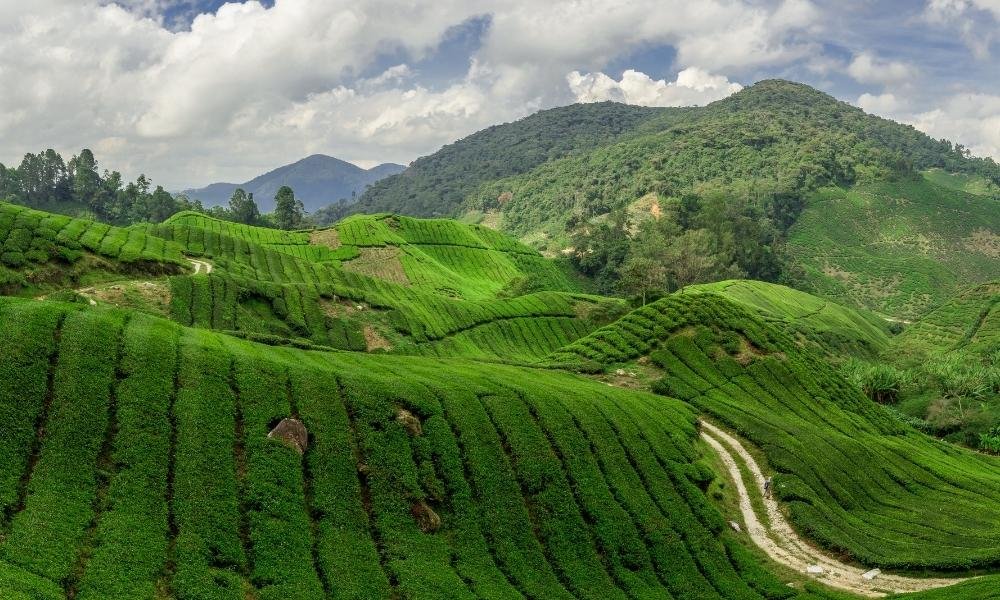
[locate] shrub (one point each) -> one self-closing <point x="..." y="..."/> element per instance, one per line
<point x="880" y="382"/>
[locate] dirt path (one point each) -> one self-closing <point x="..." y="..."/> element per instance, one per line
<point x="199" y="265"/>
<point x="782" y="544"/>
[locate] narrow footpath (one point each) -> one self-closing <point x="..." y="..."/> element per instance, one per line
<point x="783" y="545"/>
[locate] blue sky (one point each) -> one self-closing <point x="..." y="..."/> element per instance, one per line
<point x="194" y="91"/>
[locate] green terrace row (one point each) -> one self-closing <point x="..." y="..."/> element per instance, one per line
<point x="833" y="328"/>
<point x="249" y="233"/>
<point x="972" y="319"/>
<point x="30" y="236"/>
<point x="855" y="478"/>
<point x="393" y="230"/>
<point x="135" y="462"/>
<point x="220" y="301"/>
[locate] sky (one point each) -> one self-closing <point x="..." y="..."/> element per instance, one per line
<point x="191" y="92"/>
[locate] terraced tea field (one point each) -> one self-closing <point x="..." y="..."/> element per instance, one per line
<point x="897" y="248"/>
<point x="136" y="462"/>
<point x="853" y="477"/>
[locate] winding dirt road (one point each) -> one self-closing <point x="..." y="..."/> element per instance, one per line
<point x="782" y="544"/>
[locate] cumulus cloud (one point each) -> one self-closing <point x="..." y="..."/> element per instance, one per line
<point x="693" y="86"/>
<point x="248" y="86"/>
<point x="867" y="68"/>
<point x="884" y="105"/>
<point x="974" y="20"/>
<point x="972" y="119"/>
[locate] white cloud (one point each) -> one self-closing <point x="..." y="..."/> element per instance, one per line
<point x="867" y="68"/>
<point x="974" y="20"/>
<point x="693" y="86"/>
<point x="884" y="105"/>
<point x="247" y="88"/>
<point x="972" y="119"/>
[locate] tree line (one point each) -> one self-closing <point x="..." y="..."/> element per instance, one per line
<point x="78" y="187"/>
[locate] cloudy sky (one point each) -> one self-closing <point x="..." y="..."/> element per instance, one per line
<point x="195" y="91"/>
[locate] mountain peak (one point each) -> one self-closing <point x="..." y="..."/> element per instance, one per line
<point x="318" y="180"/>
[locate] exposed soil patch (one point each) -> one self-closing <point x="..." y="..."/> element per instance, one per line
<point x="382" y="263"/>
<point x="985" y="242"/>
<point x="325" y="237"/>
<point x="150" y="296"/>
<point x="783" y="545"/>
<point x="374" y="340"/>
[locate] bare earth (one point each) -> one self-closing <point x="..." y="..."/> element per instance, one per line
<point x="782" y="544"/>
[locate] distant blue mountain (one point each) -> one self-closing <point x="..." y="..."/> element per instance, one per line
<point x="318" y="181"/>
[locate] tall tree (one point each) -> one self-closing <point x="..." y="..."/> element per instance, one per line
<point x="86" y="181"/>
<point x="160" y="205"/>
<point x="639" y="276"/>
<point x="243" y="208"/>
<point x="288" y="212"/>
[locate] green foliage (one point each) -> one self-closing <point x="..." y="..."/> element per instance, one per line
<point x="879" y="382"/>
<point x="541" y="484"/>
<point x="438" y="184"/>
<point x="854" y="477"/>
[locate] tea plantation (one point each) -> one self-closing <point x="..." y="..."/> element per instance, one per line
<point x="854" y="477"/>
<point x="450" y="452"/>
<point x="136" y="461"/>
<point x="899" y="248"/>
<point x="417" y="286"/>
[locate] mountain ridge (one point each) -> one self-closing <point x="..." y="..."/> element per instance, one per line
<point x="318" y="180"/>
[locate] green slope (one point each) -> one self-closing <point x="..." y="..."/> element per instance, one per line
<point x="835" y="329"/>
<point x="899" y="248"/>
<point x="853" y="477"/>
<point x="155" y="473"/>
<point x="437" y="185"/>
<point x="379" y="282"/>
<point x="969" y="322"/>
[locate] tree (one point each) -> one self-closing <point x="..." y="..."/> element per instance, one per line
<point x="693" y="259"/>
<point x="160" y="205"/>
<point x="288" y="212"/>
<point x="86" y="181"/>
<point x="243" y="208"/>
<point x="639" y="276"/>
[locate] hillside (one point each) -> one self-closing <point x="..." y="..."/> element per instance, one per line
<point x="758" y="181"/>
<point x="372" y="283"/>
<point x="318" y="181"/>
<point x="439" y="184"/>
<point x="900" y="248"/>
<point x="421" y="479"/>
<point x="135" y="461"/>
<point x="852" y="476"/>
<point x="833" y="329"/>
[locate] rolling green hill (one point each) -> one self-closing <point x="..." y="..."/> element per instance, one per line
<point x="422" y="479"/>
<point x="835" y="329"/>
<point x="136" y="461"/>
<point x="899" y="248"/>
<point x="853" y="476"/>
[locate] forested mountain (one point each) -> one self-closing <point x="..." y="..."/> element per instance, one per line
<point x="439" y="184"/>
<point x="318" y="181"/>
<point x="738" y="188"/>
